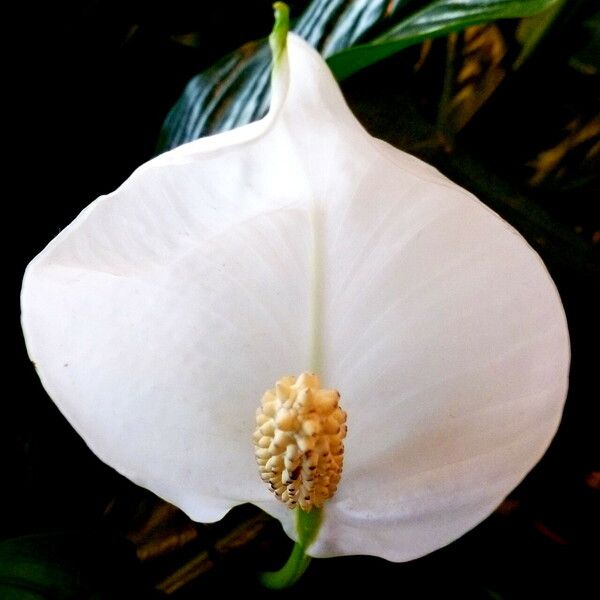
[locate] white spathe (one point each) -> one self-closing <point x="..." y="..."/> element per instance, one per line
<point x="158" y="318"/>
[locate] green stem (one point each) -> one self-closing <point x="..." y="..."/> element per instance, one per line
<point x="307" y="525"/>
<point x="278" y="37"/>
<point x="291" y="572"/>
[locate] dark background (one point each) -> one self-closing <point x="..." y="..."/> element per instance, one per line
<point x="92" y="83"/>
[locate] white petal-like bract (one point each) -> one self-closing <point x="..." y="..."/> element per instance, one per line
<point x="158" y="318"/>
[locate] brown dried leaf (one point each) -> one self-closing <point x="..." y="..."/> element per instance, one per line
<point x="550" y="162"/>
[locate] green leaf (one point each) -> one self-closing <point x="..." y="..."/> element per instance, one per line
<point x="437" y="19"/>
<point x="586" y="57"/>
<point x="69" y="566"/>
<point x="532" y="29"/>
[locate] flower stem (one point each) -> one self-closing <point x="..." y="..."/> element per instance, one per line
<point x="291" y="572"/>
<point x="307" y="525"/>
<point x="278" y="37"/>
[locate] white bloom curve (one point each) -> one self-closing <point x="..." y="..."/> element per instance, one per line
<point x="162" y="313"/>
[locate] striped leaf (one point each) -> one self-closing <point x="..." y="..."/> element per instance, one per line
<point x="435" y="20"/>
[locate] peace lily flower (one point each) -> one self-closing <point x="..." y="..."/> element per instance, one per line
<point x="300" y="244"/>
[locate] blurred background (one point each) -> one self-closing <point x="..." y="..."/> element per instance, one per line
<point x="510" y="109"/>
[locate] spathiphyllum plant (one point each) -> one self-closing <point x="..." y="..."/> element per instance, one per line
<point x="298" y="315"/>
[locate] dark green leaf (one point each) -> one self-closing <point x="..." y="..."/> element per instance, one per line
<point x="586" y="58"/>
<point x="438" y="19"/>
<point x="67" y="566"/>
<point x="532" y="29"/>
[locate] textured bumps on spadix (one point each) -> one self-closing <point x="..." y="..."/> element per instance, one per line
<point x="299" y="441"/>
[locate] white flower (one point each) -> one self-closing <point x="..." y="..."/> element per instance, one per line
<point x="159" y="317"/>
